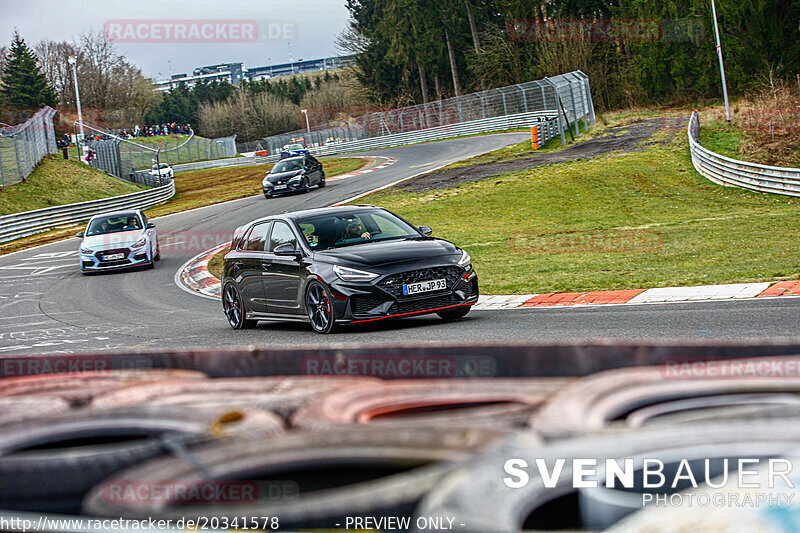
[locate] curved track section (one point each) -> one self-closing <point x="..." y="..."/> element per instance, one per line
<point x="46" y="306"/>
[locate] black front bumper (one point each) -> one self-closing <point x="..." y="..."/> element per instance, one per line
<point x="367" y="302"/>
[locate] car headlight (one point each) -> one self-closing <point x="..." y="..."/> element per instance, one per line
<point x="141" y="242"/>
<point x="265" y="182"/>
<point x="465" y="261"/>
<point x="86" y="251"/>
<point x="296" y="179"/>
<point x="353" y="274"/>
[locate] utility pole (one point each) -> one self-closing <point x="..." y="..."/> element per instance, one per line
<point x="721" y="65"/>
<point x="73" y="60"/>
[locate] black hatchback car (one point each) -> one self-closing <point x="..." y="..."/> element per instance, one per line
<point x="342" y="265"/>
<point x="294" y="174"/>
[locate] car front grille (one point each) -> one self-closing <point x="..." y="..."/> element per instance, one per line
<point x="393" y="283"/>
<point x="424" y="304"/>
<point x="362" y="305"/>
<point x="124" y="261"/>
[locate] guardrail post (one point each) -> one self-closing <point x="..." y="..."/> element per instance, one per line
<point x="2" y="173"/>
<point x="574" y="109"/>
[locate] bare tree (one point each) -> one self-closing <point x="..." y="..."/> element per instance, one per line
<point x="54" y="61"/>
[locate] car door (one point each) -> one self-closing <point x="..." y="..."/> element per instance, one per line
<point x="316" y="169"/>
<point x="282" y="281"/>
<point x="251" y="264"/>
<point x="151" y="233"/>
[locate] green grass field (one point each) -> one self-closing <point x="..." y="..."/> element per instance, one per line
<point x="631" y="220"/>
<point x="214" y="185"/>
<point x="56" y="181"/>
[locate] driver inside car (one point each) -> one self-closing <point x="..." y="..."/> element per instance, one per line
<point x="353" y="231"/>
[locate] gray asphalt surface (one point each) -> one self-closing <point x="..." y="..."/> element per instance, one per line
<point x="48" y="307"/>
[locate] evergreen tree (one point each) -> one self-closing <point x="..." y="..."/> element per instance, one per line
<point x="24" y="85"/>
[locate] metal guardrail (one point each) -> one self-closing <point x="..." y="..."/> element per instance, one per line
<point x="567" y="94"/>
<point x="30" y="222"/>
<point x="549" y="122"/>
<point x="735" y="173"/>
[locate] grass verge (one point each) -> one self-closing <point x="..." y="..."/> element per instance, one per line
<point x="632" y="220"/>
<point x="215" y="185"/>
<point x="57" y="181"/>
<point x="193" y="189"/>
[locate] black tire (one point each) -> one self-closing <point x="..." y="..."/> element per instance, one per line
<point x="319" y="308"/>
<point x="306" y="186"/>
<point x="322" y="181"/>
<point x="267" y="196"/>
<point x="485" y="503"/>
<point x="640" y="396"/>
<point x="234" y="308"/>
<point x="338" y="473"/>
<point x="48" y="464"/>
<point x="453" y="314"/>
<point x="157" y="257"/>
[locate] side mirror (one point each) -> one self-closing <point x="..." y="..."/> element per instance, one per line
<point x="150" y="225"/>
<point x="286" y="249"/>
<point x="79" y="235"/>
<point x="425" y="230"/>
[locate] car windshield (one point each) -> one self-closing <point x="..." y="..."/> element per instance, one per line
<point x="287" y="165"/>
<point x="113" y="224"/>
<point x="162" y="165"/>
<point x="324" y="232"/>
<point x="296" y="147"/>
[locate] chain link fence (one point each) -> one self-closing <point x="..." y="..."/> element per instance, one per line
<point x="132" y="161"/>
<point x="566" y="97"/>
<point x="24" y="145"/>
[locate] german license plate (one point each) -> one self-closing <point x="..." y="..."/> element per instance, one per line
<point x="424" y="286"/>
<point x="280" y="186"/>
<point x="111" y="257"/>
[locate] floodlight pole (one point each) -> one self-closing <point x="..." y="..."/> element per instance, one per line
<point x="721" y="65"/>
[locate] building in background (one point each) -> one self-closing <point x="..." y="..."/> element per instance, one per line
<point x="234" y="72"/>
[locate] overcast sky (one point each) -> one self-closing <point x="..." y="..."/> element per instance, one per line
<point x="310" y="26"/>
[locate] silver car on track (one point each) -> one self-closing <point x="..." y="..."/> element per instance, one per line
<point x="117" y="240"/>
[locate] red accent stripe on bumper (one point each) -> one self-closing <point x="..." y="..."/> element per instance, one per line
<point x="412" y="313"/>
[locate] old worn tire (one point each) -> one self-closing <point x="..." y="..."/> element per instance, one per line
<point x="491" y="402"/>
<point x="79" y="388"/>
<point x="604" y="400"/>
<point x="477" y="496"/>
<point x="282" y="395"/>
<point x="339" y="473"/>
<point x="48" y="464"/>
<point x="18" y="408"/>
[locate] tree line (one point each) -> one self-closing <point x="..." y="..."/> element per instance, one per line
<point x="637" y="51"/>
<point x="115" y="94"/>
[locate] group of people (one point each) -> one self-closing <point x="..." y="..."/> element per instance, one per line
<point x="166" y="128"/>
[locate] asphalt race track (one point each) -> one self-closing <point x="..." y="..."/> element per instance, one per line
<point x="48" y="307"/>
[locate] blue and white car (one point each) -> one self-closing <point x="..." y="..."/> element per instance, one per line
<point x="121" y="239"/>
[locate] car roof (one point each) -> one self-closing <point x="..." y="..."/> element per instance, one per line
<point x="118" y="213"/>
<point x="320" y="211"/>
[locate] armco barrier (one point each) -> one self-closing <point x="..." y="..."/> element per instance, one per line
<point x="732" y="172"/>
<point x="547" y="121"/>
<point x="24" y="224"/>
